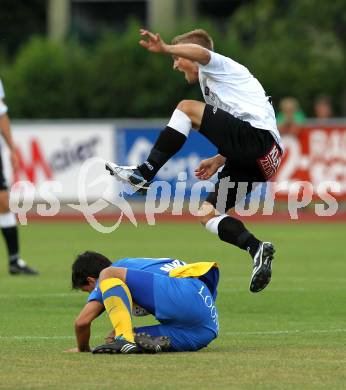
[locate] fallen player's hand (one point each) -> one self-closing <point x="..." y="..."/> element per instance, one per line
<point x="110" y="337"/>
<point x="206" y="169"/>
<point x="152" y="42"/>
<point x="72" y="350"/>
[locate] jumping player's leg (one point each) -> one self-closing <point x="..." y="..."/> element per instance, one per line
<point x="228" y="228"/>
<point x="187" y="115"/>
<point x="234" y="232"/>
<point x="243" y="146"/>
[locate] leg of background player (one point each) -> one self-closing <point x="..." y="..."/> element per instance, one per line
<point x="8" y="225"/>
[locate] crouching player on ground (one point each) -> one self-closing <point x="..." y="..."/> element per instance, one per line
<point x="181" y="297"/>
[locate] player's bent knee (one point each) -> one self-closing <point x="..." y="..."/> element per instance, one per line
<point x="185" y="106"/>
<point x="194" y="110"/>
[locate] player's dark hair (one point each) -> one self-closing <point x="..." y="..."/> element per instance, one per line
<point x="88" y="264"/>
<point x="198" y="36"/>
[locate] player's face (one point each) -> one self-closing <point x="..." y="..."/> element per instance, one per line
<point x="188" y="67"/>
<point x="90" y="286"/>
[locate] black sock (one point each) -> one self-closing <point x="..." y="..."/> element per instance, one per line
<point x="167" y="145"/>
<point x="11" y="238"/>
<point x="234" y="232"/>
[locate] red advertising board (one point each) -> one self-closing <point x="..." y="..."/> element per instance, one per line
<point x="317" y="155"/>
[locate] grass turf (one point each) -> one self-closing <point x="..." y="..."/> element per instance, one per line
<point x="290" y="336"/>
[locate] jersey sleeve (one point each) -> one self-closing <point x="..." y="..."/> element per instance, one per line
<point x="220" y="64"/>
<point x="96" y="295"/>
<point x="120" y="263"/>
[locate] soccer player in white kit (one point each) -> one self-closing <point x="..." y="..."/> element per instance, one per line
<point x="8" y="222"/>
<point x="238" y="118"/>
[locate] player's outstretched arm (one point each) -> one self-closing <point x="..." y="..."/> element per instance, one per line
<point x="154" y="43"/>
<point x="83" y="324"/>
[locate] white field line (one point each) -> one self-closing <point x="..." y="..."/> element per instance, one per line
<point x="285" y="289"/>
<point x="49" y="295"/>
<point x="295" y="279"/>
<point x="266" y="333"/>
<point x="37" y="337"/>
<point x="284" y="332"/>
<point x="222" y="290"/>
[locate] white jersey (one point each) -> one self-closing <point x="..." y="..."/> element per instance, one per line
<point x="3" y="107"/>
<point x="2" y="92"/>
<point x="230" y="86"/>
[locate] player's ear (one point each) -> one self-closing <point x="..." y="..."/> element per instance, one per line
<point x="91" y="281"/>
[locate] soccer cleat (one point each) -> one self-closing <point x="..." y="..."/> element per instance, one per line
<point x="119" y="345"/>
<point x="262" y="269"/>
<point x="129" y="175"/>
<point x="21" y="268"/>
<point x="152" y="344"/>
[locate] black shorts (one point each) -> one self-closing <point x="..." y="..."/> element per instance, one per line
<point x="252" y="155"/>
<point x="3" y="184"/>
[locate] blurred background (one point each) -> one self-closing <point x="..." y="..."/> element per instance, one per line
<point x="76" y="79"/>
<point x="82" y="55"/>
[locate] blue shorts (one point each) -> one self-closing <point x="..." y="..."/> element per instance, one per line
<point x="184" y="307"/>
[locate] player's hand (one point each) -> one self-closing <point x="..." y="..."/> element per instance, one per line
<point x="152" y="42"/>
<point x="110" y="337"/>
<point x="14" y="160"/>
<point x="207" y="168"/>
<point x="72" y="350"/>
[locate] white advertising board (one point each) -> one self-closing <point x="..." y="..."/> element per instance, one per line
<point x="56" y="152"/>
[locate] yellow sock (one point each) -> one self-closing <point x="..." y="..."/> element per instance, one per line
<point x="118" y="303"/>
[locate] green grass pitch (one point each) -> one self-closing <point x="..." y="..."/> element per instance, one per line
<point x="290" y="336"/>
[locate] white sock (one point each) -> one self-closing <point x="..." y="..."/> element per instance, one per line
<point x="7" y="220"/>
<point x="213" y="223"/>
<point x="180" y="122"/>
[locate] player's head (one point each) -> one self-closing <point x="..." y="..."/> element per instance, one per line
<point x="86" y="270"/>
<point x="190" y="68"/>
<point x="198" y="36"/>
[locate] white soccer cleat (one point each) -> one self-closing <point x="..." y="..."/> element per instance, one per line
<point x="128" y="174"/>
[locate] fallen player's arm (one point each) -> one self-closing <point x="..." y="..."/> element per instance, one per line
<point x="83" y="324"/>
<point x="191" y="51"/>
